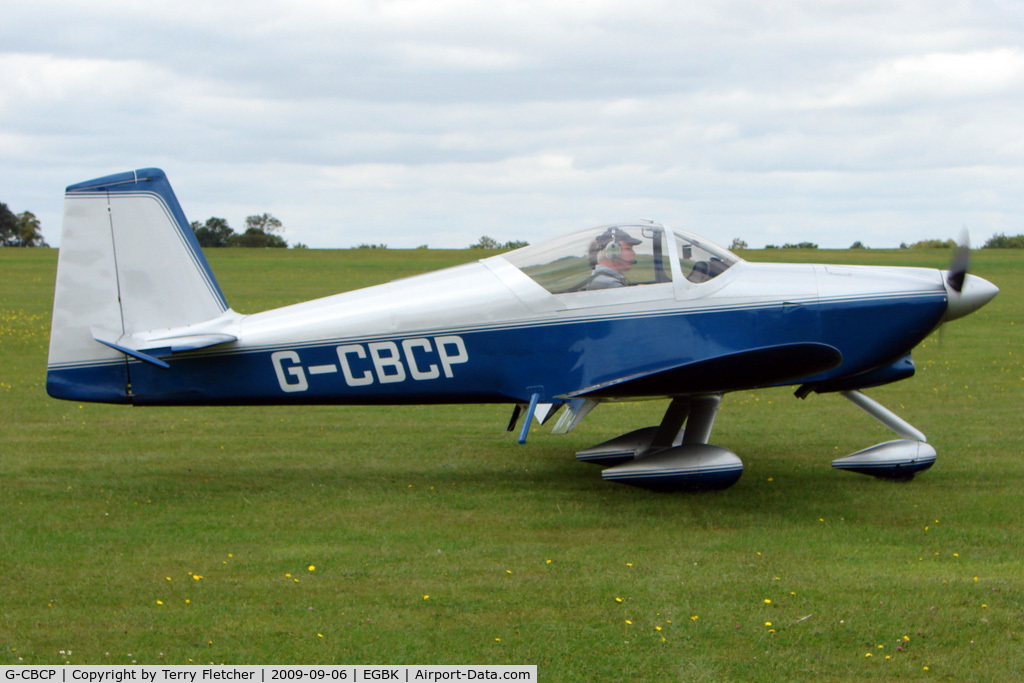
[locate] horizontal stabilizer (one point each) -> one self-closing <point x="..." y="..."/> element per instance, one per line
<point x="753" y="369"/>
<point x="150" y="347"/>
<point x="134" y="353"/>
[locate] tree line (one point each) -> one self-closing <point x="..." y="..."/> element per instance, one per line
<point x="260" y="231"/>
<point x="20" y="230"/>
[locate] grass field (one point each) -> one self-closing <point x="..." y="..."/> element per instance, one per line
<point x="421" y="535"/>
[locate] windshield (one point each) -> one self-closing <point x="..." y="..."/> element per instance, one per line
<point x="600" y="258"/>
<point x="701" y="261"/>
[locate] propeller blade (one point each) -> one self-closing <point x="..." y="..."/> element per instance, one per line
<point x="958" y="266"/>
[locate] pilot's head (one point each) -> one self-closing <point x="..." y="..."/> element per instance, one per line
<point x="614" y="249"/>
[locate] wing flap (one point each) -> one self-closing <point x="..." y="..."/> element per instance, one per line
<point x="752" y="369"/>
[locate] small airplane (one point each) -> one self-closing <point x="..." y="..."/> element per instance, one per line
<point x="619" y="312"/>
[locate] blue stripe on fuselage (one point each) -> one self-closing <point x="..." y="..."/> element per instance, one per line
<point x="509" y="364"/>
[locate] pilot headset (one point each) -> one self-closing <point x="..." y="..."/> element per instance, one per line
<point x="613" y="250"/>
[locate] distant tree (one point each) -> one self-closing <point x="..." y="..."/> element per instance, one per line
<point x="934" y="244"/>
<point x="515" y="244"/>
<point x="259" y="233"/>
<point x="264" y="223"/>
<point x="364" y="245"/>
<point x="8" y="226"/>
<point x="256" y="238"/>
<point x="486" y="243"/>
<point x="30" y="231"/>
<point x="423" y="246"/>
<point x="215" y="233"/>
<point x="800" y="245"/>
<point x="858" y="245"/>
<point x="737" y="244"/>
<point x="21" y="230"/>
<point x="299" y="245"/>
<point x="1002" y="241"/>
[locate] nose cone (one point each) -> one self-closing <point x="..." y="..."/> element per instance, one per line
<point x="976" y="292"/>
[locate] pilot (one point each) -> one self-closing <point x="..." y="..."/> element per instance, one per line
<point x="611" y="256"/>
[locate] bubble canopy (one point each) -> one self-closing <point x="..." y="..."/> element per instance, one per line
<point x="621" y="255"/>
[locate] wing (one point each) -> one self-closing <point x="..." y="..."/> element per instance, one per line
<point x="751" y="369"/>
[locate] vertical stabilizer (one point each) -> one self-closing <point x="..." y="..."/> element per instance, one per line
<point x="128" y="263"/>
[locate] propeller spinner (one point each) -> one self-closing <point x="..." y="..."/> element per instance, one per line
<point x="966" y="293"/>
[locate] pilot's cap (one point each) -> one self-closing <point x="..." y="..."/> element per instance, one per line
<point x="615" y="235"/>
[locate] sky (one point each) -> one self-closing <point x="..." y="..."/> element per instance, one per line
<point x="435" y="122"/>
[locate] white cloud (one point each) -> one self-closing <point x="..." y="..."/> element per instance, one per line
<point x="440" y="121"/>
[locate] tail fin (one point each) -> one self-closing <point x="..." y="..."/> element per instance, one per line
<point x="128" y="264"/>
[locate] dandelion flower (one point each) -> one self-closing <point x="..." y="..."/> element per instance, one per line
<point x="426" y="597"/>
<point x="767" y="601"/>
<point x="618" y="599"/>
<point x="312" y="568"/>
<point x="159" y="602"/>
<point x="767" y="623"/>
<point x="694" y="618"/>
<point x="629" y="622"/>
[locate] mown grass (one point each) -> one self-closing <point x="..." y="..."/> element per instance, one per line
<point x="177" y="535"/>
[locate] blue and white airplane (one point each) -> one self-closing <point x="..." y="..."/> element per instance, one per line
<point x="621" y="312"/>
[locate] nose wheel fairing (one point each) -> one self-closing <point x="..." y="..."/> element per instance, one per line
<point x="897" y="460"/>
